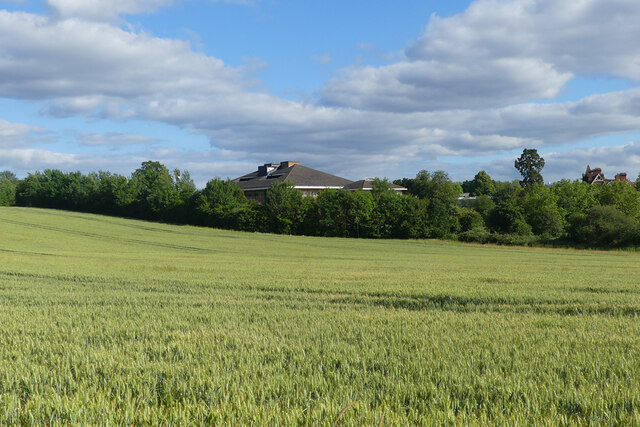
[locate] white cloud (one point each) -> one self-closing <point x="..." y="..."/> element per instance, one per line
<point x="458" y="91"/>
<point x="100" y="9"/>
<point x="325" y="58"/>
<point x="584" y="37"/>
<point x="433" y="85"/>
<point x="202" y="166"/>
<point x="22" y="160"/>
<point x="112" y="139"/>
<point x="499" y="52"/>
<point x="19" y="134"/>
<point x="44" y="59"/>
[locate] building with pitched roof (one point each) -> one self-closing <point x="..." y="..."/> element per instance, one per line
<point x="595" y="176"/>
<point x="366" y="185"/>
<point x="309" y="181"/>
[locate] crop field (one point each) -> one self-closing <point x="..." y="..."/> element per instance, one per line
<point x="113" y="321"/>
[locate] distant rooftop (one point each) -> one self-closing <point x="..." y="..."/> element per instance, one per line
<point x="366" y="185"/>
<point x="288" y="171"/>
<point x="596" y="176"/>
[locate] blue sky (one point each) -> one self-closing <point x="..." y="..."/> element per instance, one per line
<point x="358" y="88"/>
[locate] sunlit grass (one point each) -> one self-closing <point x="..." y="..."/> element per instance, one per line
<point x="112" y="320"/>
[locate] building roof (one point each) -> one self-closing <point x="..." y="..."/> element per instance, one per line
<point x="595" y="176"/>
<point x="300" y="176"/>
<point x="366" y="184"/>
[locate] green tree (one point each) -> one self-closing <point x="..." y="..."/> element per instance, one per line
<point x="574" y="197"/>
<point x="442" y="195"/>
<point x="345" y="213"/>
<point x="41" y="189"/>
<point x="8" y="185"/>
<point x="111" y="195"/>
<point x="540" y="208"/>
<point x="219" y="203"/>
<point x="508" y="215"/>
<point x="389" y="214"/>
<point x="360" y="210"/>
<point x="482" y="184"/>
<point x="530" y="164"/>
<point x="284" y="207"/>
<point x="253" y="217"/>
<point x="380" y="186"/>
<point x="603" y="226"/>
<point x="469" y="219"/>
<point x="185" y="187"/>
<point x="396" y="215"/>
<point x="621" y="196"/>
<point x="483" y="205"/>
<point x="309" y="224"/>
<point x="154" y="190"/>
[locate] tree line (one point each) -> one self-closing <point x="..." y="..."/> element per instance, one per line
<point x="523" y="212"/>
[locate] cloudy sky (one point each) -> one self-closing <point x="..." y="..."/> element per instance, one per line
<point x="356" y="88"/>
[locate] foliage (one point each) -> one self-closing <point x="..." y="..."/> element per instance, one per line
<point x="574" y="197"/>
<point x="442" y="196"/>
<point x="389" y="213"/>
<point x="345" y="213"/>
<point x="477" y="235"/>
<point x="529" y="164"/>
<point x="253" y="217"/>
<point x="481" y="185"/>
<point x="284" y="207"/>
<point x="604" y="226"/>
<point x="469" y="219"/>
<point x="154" y="191"/>
<point x="621" y="196"/>
<point x="52" y="188"/>
<point x="483" y="205"/>
<point x="8" y="184"/>
<point x="511" y="214"/>
<point x="219" y="204"/>
<point x="508" y="216"/>
<point x="540" y="208"/>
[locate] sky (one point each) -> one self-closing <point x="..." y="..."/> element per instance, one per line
<point x="355" y="88"/>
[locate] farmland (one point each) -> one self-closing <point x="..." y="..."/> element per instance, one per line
<point x="112" y="320"/>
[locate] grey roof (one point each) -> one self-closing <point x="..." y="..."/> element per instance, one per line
<point x="300" y="176"/>
<point x="365" y="184"/>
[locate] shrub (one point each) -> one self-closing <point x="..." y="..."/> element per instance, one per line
<point x="603" y="226"/>
<point x="469" y="219"/>
<point x="478" y="235"/>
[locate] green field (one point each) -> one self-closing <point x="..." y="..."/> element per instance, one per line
<point x="106" y="320"/>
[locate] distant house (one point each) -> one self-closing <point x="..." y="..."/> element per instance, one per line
<point x="466" y="196"/>
<point x="596" y="177"/>
<point x="365" y="184"/>
<point x="309" y="181"/>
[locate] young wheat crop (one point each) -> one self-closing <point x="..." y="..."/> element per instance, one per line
<point x="106" y="320"/>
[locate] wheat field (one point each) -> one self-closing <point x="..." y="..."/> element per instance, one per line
<point x="114" y="321"/>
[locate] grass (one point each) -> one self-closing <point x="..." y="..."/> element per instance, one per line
<point x="113" y="321"/>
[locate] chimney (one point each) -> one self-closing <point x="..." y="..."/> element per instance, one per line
<point x="267" y="168"/>
<point x="287" y="164"/>
<point x="621" y="176"/>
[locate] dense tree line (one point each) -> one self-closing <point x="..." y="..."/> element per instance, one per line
<point x="518" y="212"/>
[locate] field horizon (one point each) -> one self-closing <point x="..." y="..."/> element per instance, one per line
<point x="111" y="320"/>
